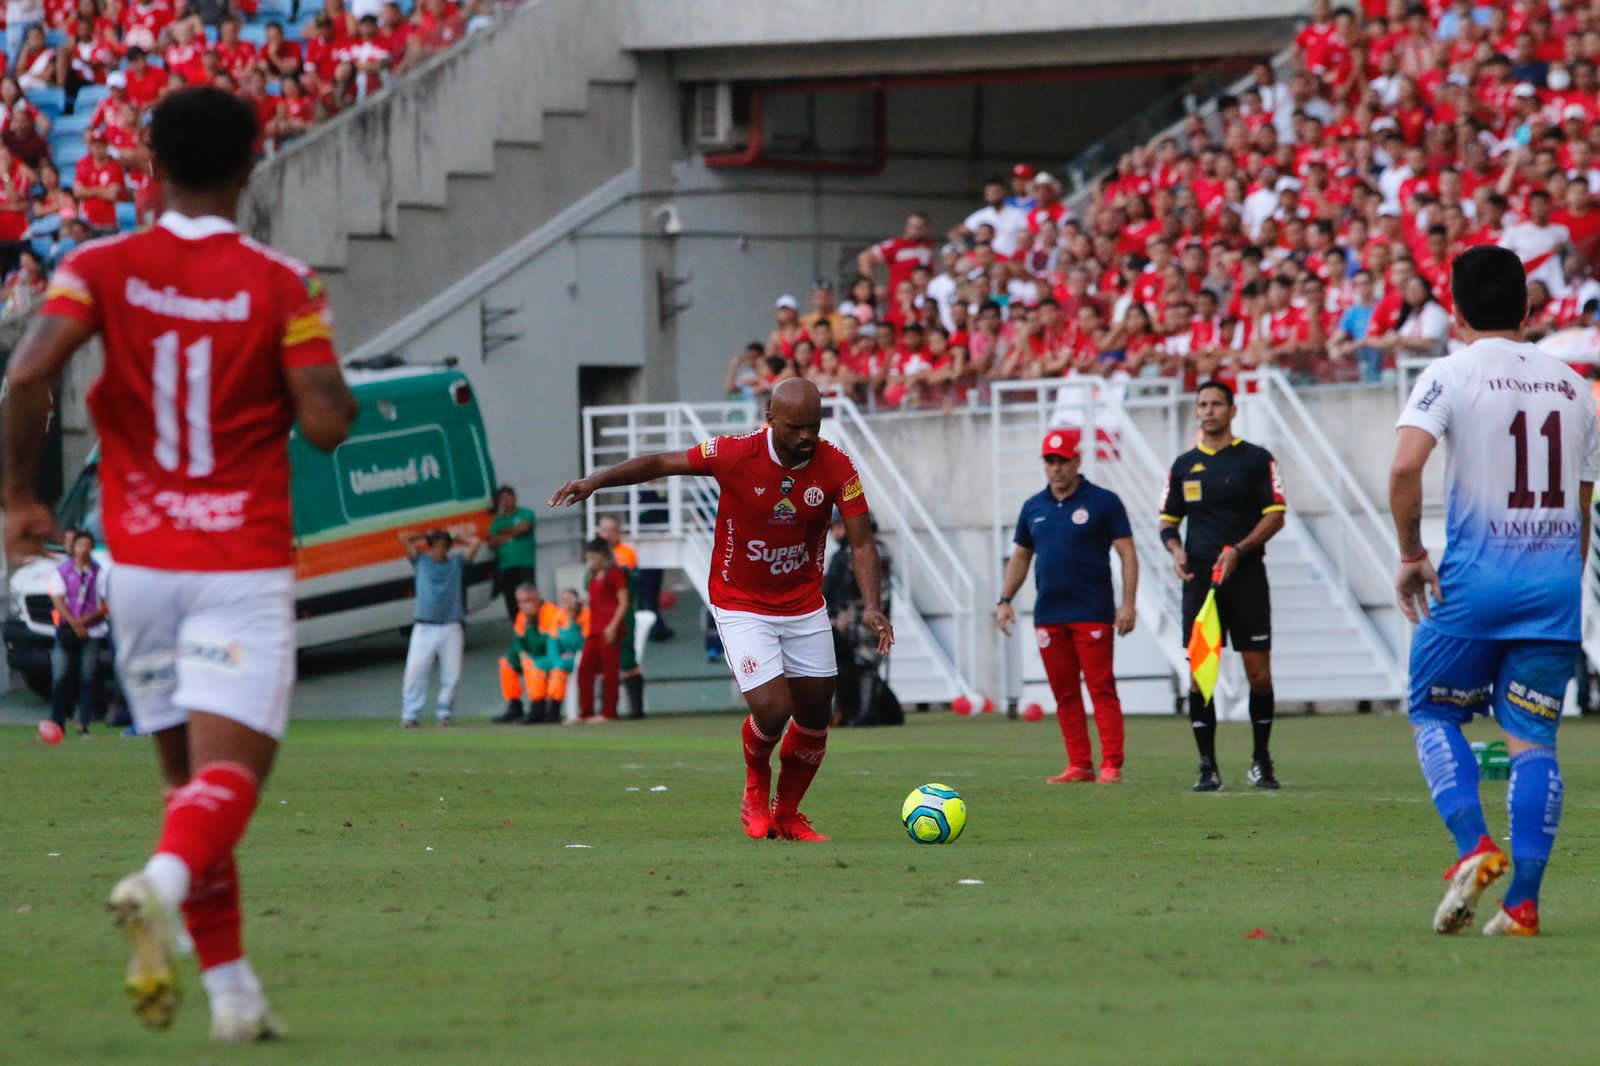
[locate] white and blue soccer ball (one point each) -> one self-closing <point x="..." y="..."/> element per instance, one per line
<point x="934" y="814"/>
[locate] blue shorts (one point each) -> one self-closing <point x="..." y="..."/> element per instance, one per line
<point x="1523" y="682"/>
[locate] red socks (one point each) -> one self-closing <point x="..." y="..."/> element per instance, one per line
<point x="800" y="757"/>
<point x="212" y="916"/>
<point x="757" y="755"/>
<point x="206" y="818"/>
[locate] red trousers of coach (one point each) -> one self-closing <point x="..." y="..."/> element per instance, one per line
<point x="599" y="658"/>
<point x="1082" y="650"/>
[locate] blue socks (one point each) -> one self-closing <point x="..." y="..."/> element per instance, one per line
<point x="1452" y="774"/>
<point x="1534" y="802"/>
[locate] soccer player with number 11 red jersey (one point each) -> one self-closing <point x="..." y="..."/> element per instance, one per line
<point x="778" y="487"/>
<point x="214" y="347"/>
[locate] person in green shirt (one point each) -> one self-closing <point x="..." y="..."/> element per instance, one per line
<point x="516" y="548"/>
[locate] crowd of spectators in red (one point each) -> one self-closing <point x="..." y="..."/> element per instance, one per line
<point x="139" y="50"/>
<point x="1308" y="224"/>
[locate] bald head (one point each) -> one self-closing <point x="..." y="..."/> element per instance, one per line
<point x="796" y="398"/>
<point x="795" y="415"/>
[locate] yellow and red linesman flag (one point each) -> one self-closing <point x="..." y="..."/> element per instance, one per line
<point x="1205" y="646"/>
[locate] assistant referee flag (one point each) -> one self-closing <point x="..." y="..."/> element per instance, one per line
<point x="1205" y="646"/>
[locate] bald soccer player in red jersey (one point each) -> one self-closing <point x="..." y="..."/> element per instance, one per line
<point x="779" y="486"/>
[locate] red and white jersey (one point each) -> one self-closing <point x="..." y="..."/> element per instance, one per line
<point x="904" y="256"/>
<point x="772" y="521"/>
<point x="1539" y="249"/>
<point x="200" y="326"/>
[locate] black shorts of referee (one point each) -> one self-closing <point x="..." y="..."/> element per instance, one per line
<point x="1244" y="603"/>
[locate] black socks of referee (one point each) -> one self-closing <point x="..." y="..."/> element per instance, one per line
<point x="1263" y="708"/>
<point x="1203" y="716"/>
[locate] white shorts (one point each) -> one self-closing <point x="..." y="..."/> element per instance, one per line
<point x="761" y="647"/>
<point x="220" y="642"/>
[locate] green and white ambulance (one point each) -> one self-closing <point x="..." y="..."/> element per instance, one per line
<point x="417" y="459"/>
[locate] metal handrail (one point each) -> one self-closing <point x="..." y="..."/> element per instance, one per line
<point x="1278" y="383"/>
<point x="948" y="576"/>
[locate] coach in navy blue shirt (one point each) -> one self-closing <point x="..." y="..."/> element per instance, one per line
<point x="1073" y="527"/>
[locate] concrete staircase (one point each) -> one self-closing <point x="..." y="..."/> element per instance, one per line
<point x="397" y="200"/>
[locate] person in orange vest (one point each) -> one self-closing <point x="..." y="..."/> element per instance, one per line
<point x="523" y="673"/>
<point x="609" y="529"/>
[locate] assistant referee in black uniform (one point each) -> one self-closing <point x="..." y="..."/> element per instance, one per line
<point x="1230" y="492"/>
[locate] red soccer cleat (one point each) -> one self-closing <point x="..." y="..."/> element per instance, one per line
<point x="1521" y="920"/>
<point x="796" y="826"/>
<point x="1072" y="775"/>
<point x="756" y="813"/>
<point x="1110" y="775"/>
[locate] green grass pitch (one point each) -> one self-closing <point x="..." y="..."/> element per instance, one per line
<point x="414" y="898"/>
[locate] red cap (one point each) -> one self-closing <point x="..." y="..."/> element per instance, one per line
<point x="1062" y="442"/>
<point x="1022" y="170"/>
<point x="97" y="137"/>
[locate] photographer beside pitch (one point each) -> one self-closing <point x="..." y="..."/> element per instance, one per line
<point x="1073" y="526"/>
<point x="1230" y="492"/>
<point x="1499" y="623"/>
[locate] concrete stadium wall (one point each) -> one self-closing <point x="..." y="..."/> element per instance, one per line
<point x="654" y="25"/>
<point x="391" y="172"/>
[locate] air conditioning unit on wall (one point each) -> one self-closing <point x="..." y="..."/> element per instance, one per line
<point x="714" y="127"/>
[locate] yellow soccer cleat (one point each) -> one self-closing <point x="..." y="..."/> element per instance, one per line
<point x="1468" y="879"/>
<point x="1521" y="920"/>
<point x="150" y="930"/>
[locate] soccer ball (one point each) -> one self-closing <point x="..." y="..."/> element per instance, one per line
<point x="934" y="814"/>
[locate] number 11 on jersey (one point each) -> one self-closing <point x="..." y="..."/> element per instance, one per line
<point x="1521" y="497"/>
<point x="195" y="370"/>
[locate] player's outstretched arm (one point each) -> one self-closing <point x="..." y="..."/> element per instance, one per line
<point x="865" y="562"/>
<point x="324" y="406"/>
<point x="633" y="471"/>
<point x="40" y="357"/>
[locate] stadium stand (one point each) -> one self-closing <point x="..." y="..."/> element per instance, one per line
<point x="74" y="94"/>
<point x="1305" y="220"/>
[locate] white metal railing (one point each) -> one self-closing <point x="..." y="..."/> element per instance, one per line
<point x="1276" y="416"/>
<point x="678" y="507"/>
<point x="938" y="576"/>
<point x="1268" y="390"/>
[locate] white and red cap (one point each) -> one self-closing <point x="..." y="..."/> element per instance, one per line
<point x="1062" y="443"/>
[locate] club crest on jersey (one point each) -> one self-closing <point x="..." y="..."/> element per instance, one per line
<point x="786" y="485"/>
<point x="785" y="511"/>
<point x="814" y="496"/>
<point x="1043" y="636"/>
<point x="761" y="490"/>
<point x="1080" y="516"/>
<point x="748" y="665"/>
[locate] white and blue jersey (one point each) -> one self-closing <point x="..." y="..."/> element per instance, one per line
<point x="1521" y="440"/>
<point x="1520" y="432"/>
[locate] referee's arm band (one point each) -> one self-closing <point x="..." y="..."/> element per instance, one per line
<point x="1169" y="535"/>
<point x="1275" y="507"/>
<point x="1174" y="519"/>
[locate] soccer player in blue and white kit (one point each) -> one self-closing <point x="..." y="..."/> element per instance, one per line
<point x="1499" y="629"/>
